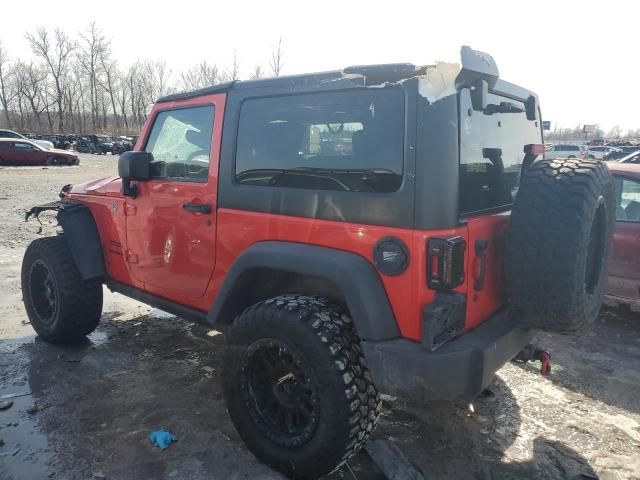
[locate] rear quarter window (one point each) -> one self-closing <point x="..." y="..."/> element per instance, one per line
<point x="491" y="154"/>
<point x="346" y="141"/>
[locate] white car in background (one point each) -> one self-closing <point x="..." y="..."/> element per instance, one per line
<point x="565" y="151"/>
<point x="598" y="152"/>
<point x="46" y="144"/>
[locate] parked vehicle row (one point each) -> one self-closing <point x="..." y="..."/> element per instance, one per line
<point x="90" y="143"/>
<point x="594" y="152"/>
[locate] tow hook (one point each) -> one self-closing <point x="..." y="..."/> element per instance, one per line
<point x="531" y="353"/>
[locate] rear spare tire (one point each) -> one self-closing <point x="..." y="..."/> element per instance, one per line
<point x="558" y="244"/>
<point x="61" y="306"/>
<point x="296" y="385"/>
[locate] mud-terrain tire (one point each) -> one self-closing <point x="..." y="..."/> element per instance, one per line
<point x="558" y="244"/>
<point x="61" y="306"/>
<point x="307" y="348"/>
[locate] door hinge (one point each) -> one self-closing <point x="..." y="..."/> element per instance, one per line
<point x="131" y="257"/>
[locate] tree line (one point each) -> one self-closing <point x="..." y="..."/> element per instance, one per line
<point x="74" y="84"/>
<point x="577" y="133"/>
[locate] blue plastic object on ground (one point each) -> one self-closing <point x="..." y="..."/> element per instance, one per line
<point x="161" y="438"/>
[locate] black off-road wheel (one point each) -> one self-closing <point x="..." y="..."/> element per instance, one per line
<point x="558" y="244"/>
<point x="296" y="385"/>
<point x="61" y="306"/>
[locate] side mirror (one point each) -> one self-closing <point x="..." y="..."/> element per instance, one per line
<point x="479" y="95"/>
<point x="133" y="166"/>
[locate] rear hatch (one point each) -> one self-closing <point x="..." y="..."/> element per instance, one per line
<point x="492" y="151"/>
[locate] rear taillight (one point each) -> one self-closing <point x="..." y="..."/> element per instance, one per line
<point x="445" y="263"/>
<point x="534" y="149"/>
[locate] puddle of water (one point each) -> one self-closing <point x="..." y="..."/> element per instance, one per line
<point x="24" y="453"/>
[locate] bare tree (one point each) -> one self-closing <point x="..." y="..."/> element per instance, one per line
<point x="233" y="72"/>
<point x="199" y="76"/>
<point x="5" y="75"/>
<point x="276" y="62"/>
<point x="256" y="73"/>
<point x="109" y="81"/>
<point x="91" y="49"/>
<point x="57" y="56"/>
<point x="31" y="81"/>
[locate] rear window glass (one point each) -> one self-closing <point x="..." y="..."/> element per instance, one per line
<point x="491" y="154"/>
<point x="346" y="141"/>
<point x="570" y="148"/>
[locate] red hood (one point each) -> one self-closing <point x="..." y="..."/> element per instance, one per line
<point x="109" y="186"/>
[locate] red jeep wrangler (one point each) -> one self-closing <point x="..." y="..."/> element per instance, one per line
<point x="348" y="231"/>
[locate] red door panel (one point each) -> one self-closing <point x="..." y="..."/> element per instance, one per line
<point x="170" y="248"/>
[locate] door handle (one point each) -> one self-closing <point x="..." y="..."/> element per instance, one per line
<point x="197" y="207"/>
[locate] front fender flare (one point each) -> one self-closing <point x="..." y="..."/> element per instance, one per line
<point x="354" y="277"/>
<point x="81" y="233"/>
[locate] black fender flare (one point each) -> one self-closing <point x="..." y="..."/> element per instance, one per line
<point x="81" y="233"/>
<point x="354" y="277"/>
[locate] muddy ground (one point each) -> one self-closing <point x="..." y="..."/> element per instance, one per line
<point x="85" y="411"/>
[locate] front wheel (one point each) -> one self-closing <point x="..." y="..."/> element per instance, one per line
<point x="57" y="161"/>
<point x="61" y="306"/>
<point x="296" y="385"/>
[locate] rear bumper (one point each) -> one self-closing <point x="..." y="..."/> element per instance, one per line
<point x="461" y="367"/>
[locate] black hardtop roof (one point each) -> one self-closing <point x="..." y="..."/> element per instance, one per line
<point x="307" y="78"/>
<point x="474" y="65"/>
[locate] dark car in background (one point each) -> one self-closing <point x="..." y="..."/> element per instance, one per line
<point x="99" y="144"/>
<point x="623" y="285"/>
<point x="17" y="151"/>
<point x="631" y="158"/>
<point x="622" y="152"/>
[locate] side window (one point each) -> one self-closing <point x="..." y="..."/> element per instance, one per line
<point x="628" y="208"/>
<point x="346" y="141"/>
<point x="492" y="152"/>
<point x="23" y="147"/>
<point x="180" y="143"/>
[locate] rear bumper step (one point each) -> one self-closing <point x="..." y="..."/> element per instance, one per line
<point x="461" y="367"/>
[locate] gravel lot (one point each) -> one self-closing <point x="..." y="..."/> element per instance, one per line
<point x="87" y="410"/>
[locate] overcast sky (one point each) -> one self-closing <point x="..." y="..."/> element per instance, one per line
<point x="579" y="56"/>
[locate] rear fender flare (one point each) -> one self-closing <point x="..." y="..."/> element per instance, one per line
<point x="349" y="277"/>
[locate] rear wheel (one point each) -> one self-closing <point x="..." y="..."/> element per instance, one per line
<point x="61" y="306"/>
<point x="558" y="244"/>
<point x="296" y="385"/>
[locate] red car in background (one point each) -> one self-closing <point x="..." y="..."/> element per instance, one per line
<point x="24" y="152"/>
<point x="624" y="268"/>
